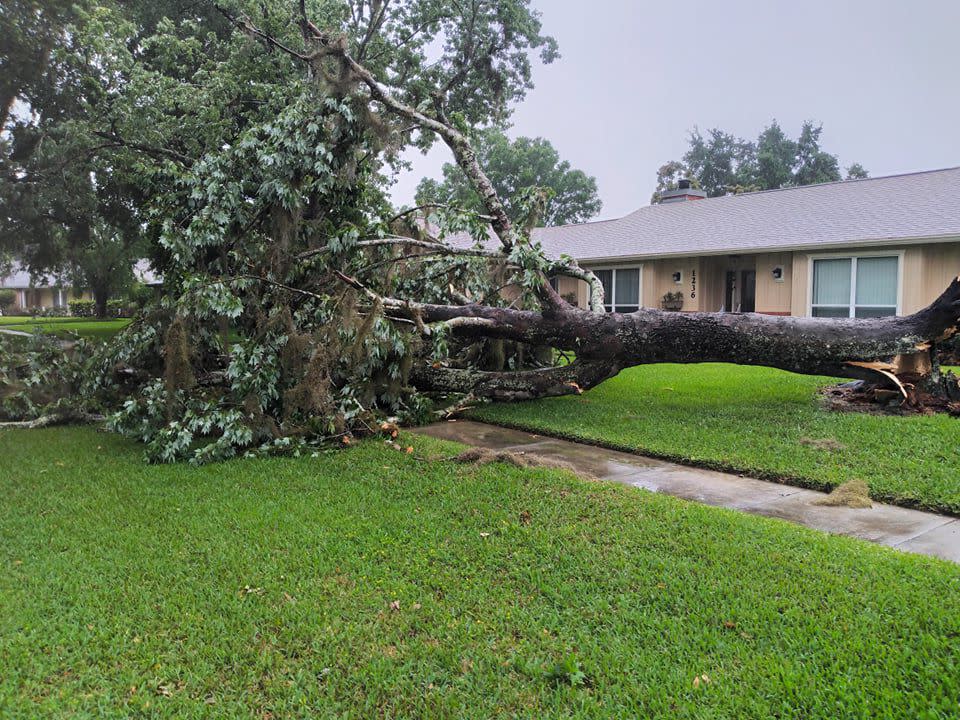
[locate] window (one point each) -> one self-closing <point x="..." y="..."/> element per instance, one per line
<point x="621" y="289"/>
<point x="861" y="286"/>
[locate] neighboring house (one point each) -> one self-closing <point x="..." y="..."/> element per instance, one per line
<point x="857" y="248"/>
<point x="46" y="292"/>
<point x="52" y="291"/>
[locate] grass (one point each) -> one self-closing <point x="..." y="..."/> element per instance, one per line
<point x="760" y="421"/>
<point x="65" y="326"/>
<point x="368" y="583"/>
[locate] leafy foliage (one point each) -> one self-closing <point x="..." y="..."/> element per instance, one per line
<point x="516" y="167"/>
<point x="255" y="183"/>
<point x="722" y="163"/>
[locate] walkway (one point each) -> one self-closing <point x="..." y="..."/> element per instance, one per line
<point x="901" y="528"/>
<point x="18" y="333"/>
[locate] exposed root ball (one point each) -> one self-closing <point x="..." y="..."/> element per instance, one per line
<point x="483" y="456"/>
<point x="854" y="494"/>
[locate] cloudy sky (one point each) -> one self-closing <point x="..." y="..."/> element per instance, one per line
<point x="636" y="75"/>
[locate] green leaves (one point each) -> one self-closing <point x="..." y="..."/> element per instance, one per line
<point x="537" y="187"/>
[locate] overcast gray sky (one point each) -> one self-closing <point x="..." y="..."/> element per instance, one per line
<point x="636" y="75"/>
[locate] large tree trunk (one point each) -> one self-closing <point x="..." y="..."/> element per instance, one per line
<point x="895" y="351"/>
<point x="100" y="297"/>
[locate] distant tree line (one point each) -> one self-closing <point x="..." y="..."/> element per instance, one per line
<point x="721" y="163"/>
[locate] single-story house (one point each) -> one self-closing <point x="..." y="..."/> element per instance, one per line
<point x="47" y="292"/>
<point x="53" y="291"/>
<point x="856" y="248"/>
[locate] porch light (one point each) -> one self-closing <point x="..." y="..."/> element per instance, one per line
<point x="677" y="277"/>
<point x="778" y="273"/>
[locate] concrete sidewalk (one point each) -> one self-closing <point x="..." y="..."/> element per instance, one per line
<point x="902" y="528"/>
<point x="18" y="333"/>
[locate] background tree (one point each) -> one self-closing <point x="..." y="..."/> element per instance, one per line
<point x="7" y="299"/>
<point x="719" y="161"/>
<point x="856" y="172"/>
<point x="722" y="164"/>
<point x="514" y="167"/>
<point x="775" y="159"/>
<point x="813" y="165"/>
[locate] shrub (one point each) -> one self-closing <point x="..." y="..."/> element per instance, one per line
<point x="82" y="308"/>
<point x="141" y="295"/>
<point x="7" y="299"/>
<point x="117" y="308"/>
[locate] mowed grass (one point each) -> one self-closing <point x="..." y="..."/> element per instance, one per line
<point x="369" y="583"/>
<point x="66" y="326"/>
<point x="760" y="421"/>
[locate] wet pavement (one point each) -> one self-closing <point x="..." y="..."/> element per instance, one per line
<point x="901" y="528"/>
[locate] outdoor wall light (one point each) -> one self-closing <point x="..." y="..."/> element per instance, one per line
<point x="778" y="273"/>
<point x="677" y="277"/>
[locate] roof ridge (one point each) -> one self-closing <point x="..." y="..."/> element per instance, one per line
<point x="849" y="181"/>
<point x="785" y="189"/>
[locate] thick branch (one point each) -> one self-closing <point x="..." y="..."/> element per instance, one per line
<point x="812" y="346"/>
<point x="510" y="386"/>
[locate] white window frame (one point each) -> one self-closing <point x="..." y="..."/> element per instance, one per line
<point x="613" y="285"/>
<point x="853" y="257"/>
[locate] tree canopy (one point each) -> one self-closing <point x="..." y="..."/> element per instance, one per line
<point x="537" y="187"/>
<point x="721" y="163"/>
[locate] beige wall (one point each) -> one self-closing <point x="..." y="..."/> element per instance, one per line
<point x="661" y="282"/>
<point x="773" y="296"/>
<point x="929" y="274"/>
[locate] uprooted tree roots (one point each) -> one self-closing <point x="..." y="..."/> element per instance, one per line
<point x="903" y="399"/>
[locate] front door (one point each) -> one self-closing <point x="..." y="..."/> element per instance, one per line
<point x="740" y="291"/>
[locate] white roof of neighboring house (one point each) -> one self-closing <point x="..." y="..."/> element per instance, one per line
<point x="914" y="206"/>
<point x="20" y="279"/>
<point x="145" y="274"/>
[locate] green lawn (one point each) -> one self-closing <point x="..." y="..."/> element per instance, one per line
<point x="753" y="420"/>
<point x="64" y="326"/>
<point x="263" y="588"/>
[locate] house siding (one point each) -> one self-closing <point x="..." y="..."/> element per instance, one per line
<point x="774" y="297"/>
<point x="926" y="270"/>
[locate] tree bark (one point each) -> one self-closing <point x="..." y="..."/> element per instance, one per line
<point x="871" y="349"/>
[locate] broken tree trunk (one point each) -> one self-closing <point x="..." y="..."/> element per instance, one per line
<point x="893" y="349"/>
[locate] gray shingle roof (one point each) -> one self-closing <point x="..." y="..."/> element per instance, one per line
<point x="897" y="207"/>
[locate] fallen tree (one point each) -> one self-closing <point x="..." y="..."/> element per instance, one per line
<point x="299" y="307"/>
<point x="897" y="351"/>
